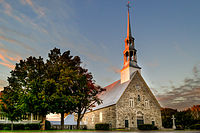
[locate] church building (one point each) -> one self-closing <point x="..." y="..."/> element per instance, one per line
<point x="129" y="101"/>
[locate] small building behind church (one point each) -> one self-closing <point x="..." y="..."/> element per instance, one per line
<point x="129" y="101"/>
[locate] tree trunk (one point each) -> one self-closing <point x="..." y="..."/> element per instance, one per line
<point x="78" y="120"/>
<point x="43" y="123"/>
<point x="12" y="125"/>
<point x="62" y="121"/>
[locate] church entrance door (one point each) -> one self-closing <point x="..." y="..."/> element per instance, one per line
<point x="140" y="122"/>
<point x="140" y="119"/>
<point x="126" y="123"/>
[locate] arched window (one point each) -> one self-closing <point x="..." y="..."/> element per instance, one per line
<point x="147" y="104"/>
<point x="126" y="56"/>
<point x="131" y="102"/>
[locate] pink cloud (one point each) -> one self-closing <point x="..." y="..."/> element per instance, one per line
<point x="37" y="9"/>
<point x="7" y="60"/>
<point x="19" y="43"/>
<point x="11" y="66"/>
<point x="9" y="11"/>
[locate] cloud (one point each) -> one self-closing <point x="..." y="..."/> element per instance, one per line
<point x="37" y="9"/>
<point x="11" y="66"/>
<point x="19" y="43"/>
<point x="115" y="69"/>
<point x="185" y="95"/>
<point x="9" y="10"/>
<point x="7" y="60"/>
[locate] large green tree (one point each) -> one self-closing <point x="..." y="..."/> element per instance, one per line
<point x="27" y="82"/>
<point x="60" y="85"/>
<point x="62" y="74"/>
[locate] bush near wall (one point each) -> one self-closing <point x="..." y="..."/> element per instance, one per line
<point x="195" y="126"/>
<point x="47" y="125"/>
<point x="147" y="127"/>
<point x="20" y="126"/>
<point x="102" y="126"/>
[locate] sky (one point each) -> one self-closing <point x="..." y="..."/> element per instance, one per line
<point x="166" y="38"/>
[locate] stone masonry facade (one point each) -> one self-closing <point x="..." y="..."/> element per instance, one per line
<point x="136" y="103"/>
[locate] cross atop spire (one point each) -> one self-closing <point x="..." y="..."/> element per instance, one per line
<point x="128" y="5"/>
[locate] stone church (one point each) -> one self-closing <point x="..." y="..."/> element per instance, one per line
<point x="129" y="101"/>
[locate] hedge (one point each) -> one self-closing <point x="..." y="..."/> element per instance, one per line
<point x="179" y="127"/>
<point x="195" y="126"/>
<point x="102" y="126"/>
<point x="147" y="127"/>
<point x="35" y="126"/>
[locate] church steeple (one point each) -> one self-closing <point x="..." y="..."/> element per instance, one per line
<point x="128" y="25"/>
<point x="130" y="57"/>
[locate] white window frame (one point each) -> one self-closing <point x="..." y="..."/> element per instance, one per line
<point x="93" y="116"/>
<point x="100" y="116"/>
<point x="131" y="102"/>
<point x="147" y="105"/>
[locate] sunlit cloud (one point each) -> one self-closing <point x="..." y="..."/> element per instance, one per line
<point x="115" y="69"/>
<point x="37" y="9"/>
<point x="185" y="95"/>
<point x="9" y="10"/>
<point x="11" y="66"/>
<point x="19" y="43"/>
<point x="7" y="60"/>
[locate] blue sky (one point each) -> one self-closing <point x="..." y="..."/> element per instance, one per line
<point x="166" y="32"/>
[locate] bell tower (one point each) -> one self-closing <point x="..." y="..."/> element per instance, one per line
<point x="130" y="57"/>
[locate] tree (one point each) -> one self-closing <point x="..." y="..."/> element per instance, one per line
<point x="62" y="74"/>
<point x="195" y="111"/>
<point x="27" y="83"/>
<point x="10" y="105"/>
<point x="184" y="118"/>
<point x="87" y="94"/>
<point x="166" y="114"/>
<point x="75" y="89"/>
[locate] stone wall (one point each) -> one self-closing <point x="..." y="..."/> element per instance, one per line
<point x="108" y="116"/>
<point x="147" y="107"/>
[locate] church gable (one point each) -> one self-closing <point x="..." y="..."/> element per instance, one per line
<point x="137" y="102"/>
<point x="139" y="92"/>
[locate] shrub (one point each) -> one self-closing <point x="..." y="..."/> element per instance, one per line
<point x="85" y="128"/>
<point x="26" y="128"/>
<point x="147" y="127"/>
<point x="102" y="126"/>
<point x="18" y="126"/>
<point x="35" y="126"/>
<point x="179" y="127"/>
<point x="195" y="126"/>
<point x="47" y="125"/>
<point x="32" y="126"/>
<point x="6" y="128"/>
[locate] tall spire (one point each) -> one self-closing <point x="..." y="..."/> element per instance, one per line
<point x="130" y="56"/>
<point x="128" y="25"/>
